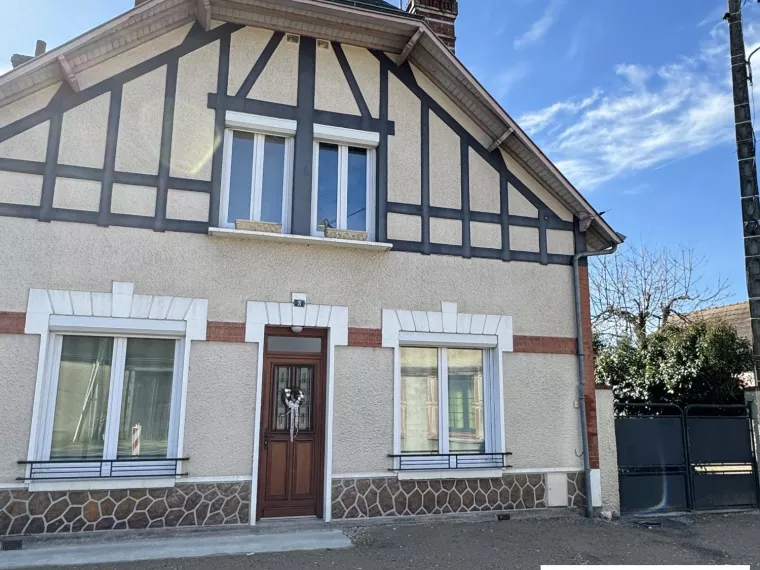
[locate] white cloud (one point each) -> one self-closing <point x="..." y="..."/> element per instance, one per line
<point x="502" y="83"/>
<point x="540" y="27"/>
<point x="652" y="117"/>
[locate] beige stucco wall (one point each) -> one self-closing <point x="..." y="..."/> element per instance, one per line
<point x="537" y="188"/>
<point x="184" y="205"/>
<point x="485" y="235"/>
<point x="246" y="46"/>
<point x="18" y="374"/>
<point x="363" y="410"/>
<point x="77" y="194"/>
<point x="278" y="82"/>
<point x="193" y="135"/>
<point x="366" y="68"/>
<point x="523" y="239"/>
<point x="519" y="205"/>
<point x="332" y="92"/>
<point x="29" y="145"/>
<point x="605" y="423"/>
<point x="16" y="188"/>
<point x="445" y="165"/>
<point x="542" y="422"/>
<point x="83" y="133"/>
<point x="484" y="185"/>
<point x="221" y="400"/>
<point x="228" y="272"/>
<point x="560" y="241"/>
<point x="403" y="227"/>
<point x="445" y="231"/>
<point x="27" y="105"/>
<point x="404" y="178"/>
<point x="137" y="200"/>
<point x="140" y="123"/>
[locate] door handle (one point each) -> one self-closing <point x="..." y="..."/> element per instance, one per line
<point x="266" y="438"/>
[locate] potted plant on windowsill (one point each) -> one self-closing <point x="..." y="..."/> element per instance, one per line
<point x="335" y="233"/>
<point x="254" y="226"/>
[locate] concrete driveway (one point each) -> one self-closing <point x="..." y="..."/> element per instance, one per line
<point x="520" y="543"/>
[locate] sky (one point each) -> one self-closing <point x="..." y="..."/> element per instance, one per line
<point x="631" y="100"/>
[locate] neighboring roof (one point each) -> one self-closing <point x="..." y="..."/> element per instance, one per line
<point x="736" y="315"/>
<point x="368" y="23"/>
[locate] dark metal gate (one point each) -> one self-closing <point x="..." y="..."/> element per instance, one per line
<point x="673" y="459"/>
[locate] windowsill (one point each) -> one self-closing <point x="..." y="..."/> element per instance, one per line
<point x="102" y="484"/>
<point x="299" y="239"/>
<point x="494" y="473"/>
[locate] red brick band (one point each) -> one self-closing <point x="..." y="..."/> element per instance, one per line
<point x="588" y="358"/>
<point x="12" y="323"/>
<point x="372" y="338"/>
<point x="544" y="344"/>
<point x="217" y="331"/>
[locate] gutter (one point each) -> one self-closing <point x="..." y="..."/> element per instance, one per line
<point x="582" y="368"/>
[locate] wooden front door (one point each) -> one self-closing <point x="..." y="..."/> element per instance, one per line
<point x="291" y="472"/>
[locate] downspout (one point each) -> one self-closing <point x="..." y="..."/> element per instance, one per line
<point x="582" y="370"/>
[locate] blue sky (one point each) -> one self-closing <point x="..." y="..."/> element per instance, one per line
<point x="632" y="100"/>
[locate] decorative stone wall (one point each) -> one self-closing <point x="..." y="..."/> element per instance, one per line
<point x="576" y="490"/>
<point x="360" y="498"/>
<point x="186" y="504"/>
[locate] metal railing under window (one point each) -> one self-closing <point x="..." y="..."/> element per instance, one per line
<point x="142" y="468"/>
<point x="434" y="461"/>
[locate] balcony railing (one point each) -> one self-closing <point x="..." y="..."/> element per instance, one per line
<point x="433" y="461"/>
<point x="142" y="468"/>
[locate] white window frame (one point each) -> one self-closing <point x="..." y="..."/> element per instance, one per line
<point x="345" y="138"/>
<point x="120" y="313"/>
<point x="450" y="329"/>
<point x="116" y="384"/>
<point x="260" y="127"/>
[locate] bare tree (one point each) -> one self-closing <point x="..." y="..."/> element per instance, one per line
<point x="639" y="290"/>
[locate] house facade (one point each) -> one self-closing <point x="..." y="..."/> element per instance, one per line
<point x="266" y="259"/>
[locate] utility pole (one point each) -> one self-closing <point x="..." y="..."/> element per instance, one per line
<point x="745" y="147"/>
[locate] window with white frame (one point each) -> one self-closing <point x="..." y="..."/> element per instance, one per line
<point x="446" y="400"/>
<point x="257" y="178"/>
<point x="112" y="397"/>
<point x="344" y="180"/>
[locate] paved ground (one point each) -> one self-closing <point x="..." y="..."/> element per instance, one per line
<point x="516" y="544"/>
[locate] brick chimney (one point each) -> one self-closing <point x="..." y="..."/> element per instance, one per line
<point x="19" y="59"/>
<point x="440" y="15"/>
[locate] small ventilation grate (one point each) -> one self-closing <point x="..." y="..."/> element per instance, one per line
<point x="324" y="44"/>
<point x="12" y="545"/>
<point x="293" y="39"/>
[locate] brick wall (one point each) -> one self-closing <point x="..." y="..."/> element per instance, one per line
<point x="365" y="337"/>
<point x="544" y="344"/>
<point x="217" y="331"/>
<point x="12" y="323"/>
<point x="588" y="352"/>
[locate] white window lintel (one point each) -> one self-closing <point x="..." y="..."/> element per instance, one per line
<point x="260" y="124"/>
<point x="343" y="136"/>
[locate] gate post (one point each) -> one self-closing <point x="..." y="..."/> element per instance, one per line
<point x="608" y="463"/>
<point x="750" y="397"/>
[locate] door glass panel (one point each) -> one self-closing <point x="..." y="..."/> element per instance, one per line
<point x="293" y="377"/>
<point x="466" y="418"/>
<point x="357" y="189"/>
<point x="327" y="186"/>
<point x="419" y="400"/>
<point x="81" y="402"/>
<point x="294" y="344"/>
<point x="241" y="173"/>
<point x="273" y="179"/>
<point x="146" y="398"/>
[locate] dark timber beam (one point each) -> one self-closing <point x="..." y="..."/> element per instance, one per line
<point x="410" y="46"/>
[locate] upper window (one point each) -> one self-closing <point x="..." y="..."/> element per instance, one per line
<point x="257" y="178"/>
<point x="113" y="398"/>
<point x="443" y="391"/>
<point x="344" y="192"/>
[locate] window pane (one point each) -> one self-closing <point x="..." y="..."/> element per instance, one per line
<point x="419" y="400"/>
<point x="81" y="401"/>
<point x="357" y="189"/>
<point x="294" y="344"/>
<point x="146" y="397"/>
<point x="241" y="171"/>
<point x="327" y="186"/>
<point x="274" y="179"/>
<point x="466" y="421"/>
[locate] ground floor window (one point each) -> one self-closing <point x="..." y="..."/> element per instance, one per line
<point x="444" y="398"/>
<point x="113" y="398"/>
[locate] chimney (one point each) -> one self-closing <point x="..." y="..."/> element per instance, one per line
<point x="19" y="59"/>
<point x="440" y="15"/>
<point x="138" y="2"/>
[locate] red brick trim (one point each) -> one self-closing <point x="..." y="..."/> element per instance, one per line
<point x="365" y="337"/>
<point x="12" y="323"/>
<point x="217" y="331"/>
<point x="544" y="344"/>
